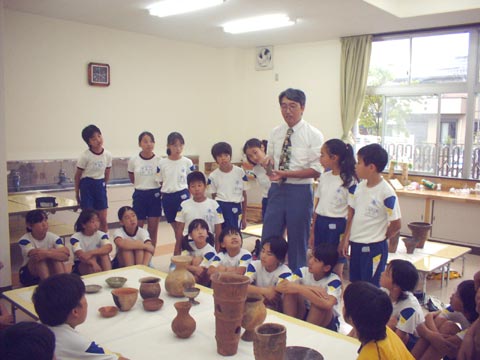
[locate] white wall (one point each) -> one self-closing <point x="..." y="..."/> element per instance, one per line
<point x="159" y="85"/>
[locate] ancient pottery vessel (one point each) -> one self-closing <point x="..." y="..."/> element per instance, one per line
<point x="152" y="304"/>
<point x="180" y="278"/>
<point x="254" y="314"/>
<point x="183" y="325"/>
<point x="150" y="287"/>
<point x="420" y="231"/>
<point x="270" y="342"/>
<point x="410" y="244"/>
<point x="125" y="298"/>
<point x="108" y="311"/>
<point x="229" y="295"/>
<point x="116" y="281"/>
<point x="191" y="294"/>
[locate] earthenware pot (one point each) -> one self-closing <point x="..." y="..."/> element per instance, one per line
<point x="254" y="314"/>
<point x="270" y="342"/>
<point x="125" y="298"/>
<point x="150" y="287"/>
<point x="152" y="304"/>
<point x="410" y="244"/>
<point x="183" y="325"/>
<point x="229" y="295"/>
<point x="108" y="311"/>
<point x="420" y="231"/>
<point x="180" y="278"/>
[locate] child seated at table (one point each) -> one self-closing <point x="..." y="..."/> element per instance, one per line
<point x="27" y="340"/>
<point x="199" y="243"/>
<point x="232" y="257"/>
<point x="400" y="279"/>
<point x="61" y="304"/>
<point x="368" y="310"/>
<point x="134" y="246"/>
<point x="443" y="331"/>
<point x="265" y="274"/>
<point x="90" y="245"/>
<point x="314" y="291"/>
<point x="44" y="253"/>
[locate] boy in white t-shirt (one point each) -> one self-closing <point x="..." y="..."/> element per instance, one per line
<point x="314" y="291"/>
<point x="61" y="304"/>
<point x="228" y="185"/>
<point x="373" y="217"/>
<point x="197" y="207"/>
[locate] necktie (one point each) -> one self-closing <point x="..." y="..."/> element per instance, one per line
<point x="286" y="151"/>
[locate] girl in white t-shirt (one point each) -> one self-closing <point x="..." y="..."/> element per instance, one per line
<point x="142" y="171"/>
<point x="199" y="243"/>
<point x="173" y="171"/>
<point x="331" y="197"/>
<point x="134" y="246"/>
<point x="255" y="151"/>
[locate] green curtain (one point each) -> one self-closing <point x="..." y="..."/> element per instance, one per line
<point x="355" y="61"/>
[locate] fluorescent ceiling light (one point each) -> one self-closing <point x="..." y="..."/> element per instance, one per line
<point x="174" y="7"/>
<point x="411" y="8"/>
<point x="257" y="23"/>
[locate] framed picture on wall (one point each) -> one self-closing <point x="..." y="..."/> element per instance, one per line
<point x="98" y="74"/>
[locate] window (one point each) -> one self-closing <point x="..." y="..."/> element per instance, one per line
<point x="423" y="103"/>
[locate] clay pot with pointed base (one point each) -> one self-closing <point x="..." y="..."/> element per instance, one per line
<point x="410" y="244"/>
<point x="420" y="231"/>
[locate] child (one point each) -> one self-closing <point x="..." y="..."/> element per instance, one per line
<point x="400" y="279"/>
<point x="6" y="319"/>
<point x="44" y="253"/>
<point x="470" y="348"/>
<point x="231" y="257"/>
<point x="443" y="331"/>
<point x="314" y="291"/>
<point x="199" y="243"/>
<point x="255" y="150"/>
<point x="61" y="304"/>
<point x="331" y="196"/>
<point x="27" y="340"/>
<point x="265" y="274"/>
<point x="93" y="172"/>
<point x="373" y="217"/>
<point x="173" y="176"/>
<point x="90" y="245"/>
<point x="228" y="185"/>
<point x="368" y="309"/>
<point x="133" y="242"/>
<point x="198" y="207"/>
<point x="142" y="171"/>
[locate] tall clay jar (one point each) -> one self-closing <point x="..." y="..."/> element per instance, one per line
<point x="229" y="295"/>
<point x="270" y="342"/>
<point x="180" y="278"/>
<point x="149" y="287"/>
<point x="254" y="314"/>
<point x="183" y="325"/>
<point x="420" y="231"/>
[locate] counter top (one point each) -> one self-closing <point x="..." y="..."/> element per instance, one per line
<point x="440" y="195"/>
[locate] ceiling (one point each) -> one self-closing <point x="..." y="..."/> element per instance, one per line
<point x="317" y="20"/>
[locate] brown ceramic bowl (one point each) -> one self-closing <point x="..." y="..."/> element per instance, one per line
<point x="125" y="298"/>
<point x="116" y="281"/>
<point x="152" y="304"/>
<point x="108" y="311"/>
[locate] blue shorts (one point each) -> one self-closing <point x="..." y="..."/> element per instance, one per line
<point x="26" y="277"/>
<point x="333" y="325"/>
<point x="328" y="231"/>
<point x="93" y="194"/>
<point x="147" y="203"/>
<point x="171" y="203"/>
<point x="232" y="213"/>
<point x="368" y="261"/>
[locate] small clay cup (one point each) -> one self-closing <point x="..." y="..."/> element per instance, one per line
<point x="116" y="281"/>
<point x="108" y="311"/>
<point x="152" y="304"/>
<point x="125" y="298"/>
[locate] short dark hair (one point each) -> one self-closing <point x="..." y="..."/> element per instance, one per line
<point x="221" y="148"/>
<point x="172" y="137"/>
<point x="193" y="225"/>
<point x="326" y="253"/>
<point x="56" y="297"/>
<point x="374" y="154"/>
<point x="34" y="217"/>
<point x="404" y="275"/>
<point x="89" y="131"/>
<point x="84" y="217"/>
<point x="146" y="133"/>
<point x="228" y="230"/>
<point x="254" y="143"/>
<point x="369" y="309"/>
<point x="196" y="176"/>
<point x="466" y="291"/>
<point x="123" y="210"/>
<point x="27" y="340"/>
<point x="278" y="247"/>
<point x="294" y="95"/>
